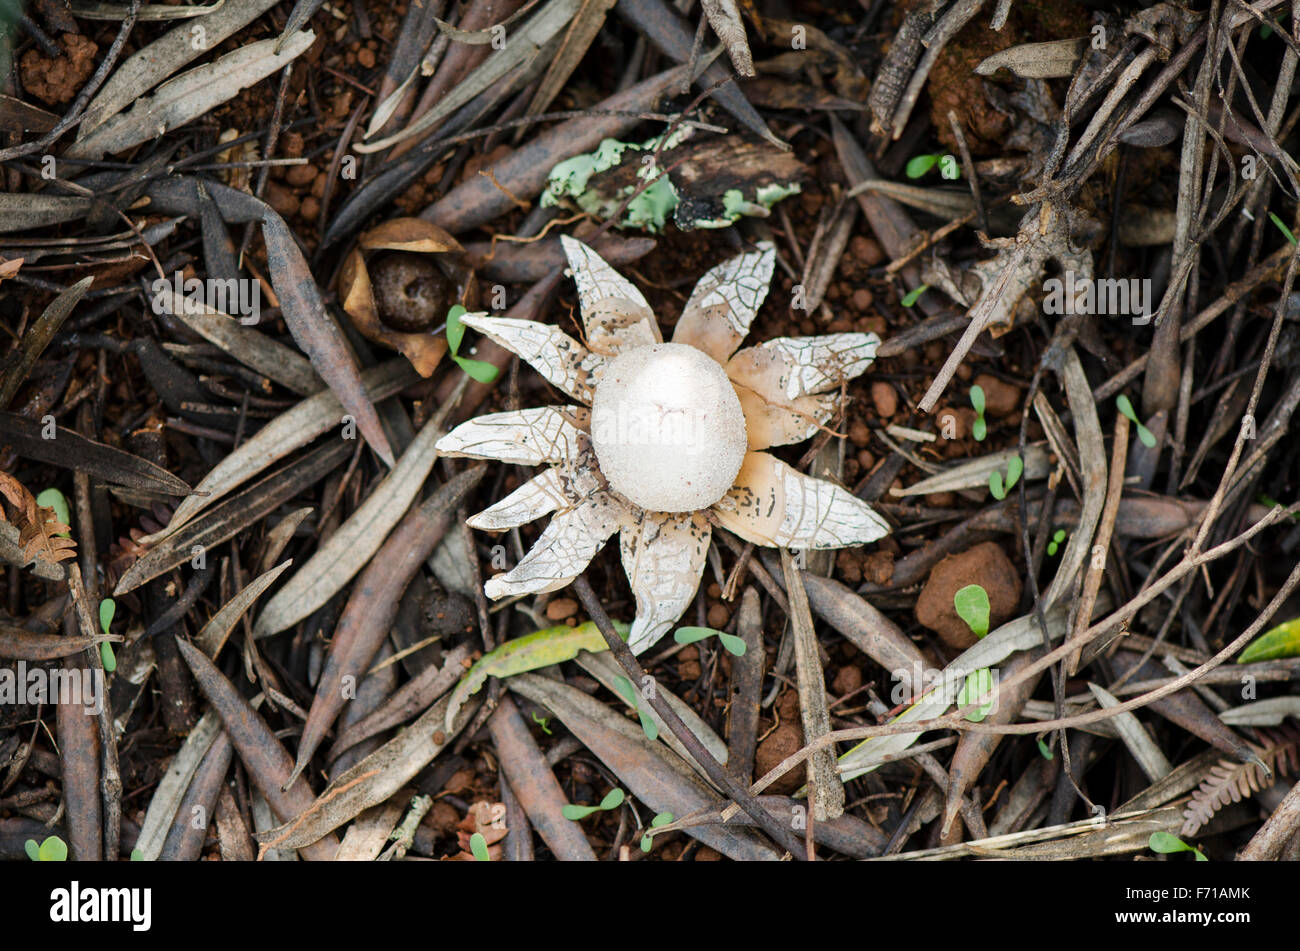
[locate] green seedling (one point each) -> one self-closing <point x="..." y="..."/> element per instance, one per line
<point x="914" y="295"/>
<point x="613" y="799"/>
<point x="1044" y="749"/>
<point x="1166" y="844"/>
<point x="542" y="722"/>
<point x="920" y="166"/>
<point x="107" y="608"/>
<point x="980" y="428"/>
<point x="478" y="845"/>
<point x="1055" y="543"/>
<point x="1281" y="641"/>
<point x="660" y="819"/>
<point x="1273" y="503"/>
<point x="689" y="635"/>
<point x="628" y="693"/>
<point x="999" y="489"/>
<point x="1281" y="227"/>
<point x="52" y="849"/>
<point x="137" y="855"/>
<point x="54" y="499"/>
<point x="1148" y="438"/>
<point x="479" y="370"/>
<point x="972" y="606"/>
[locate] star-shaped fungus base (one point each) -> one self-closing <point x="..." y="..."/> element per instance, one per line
<point x="663" y="443"/>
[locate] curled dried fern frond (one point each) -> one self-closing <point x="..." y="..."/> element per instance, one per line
<point x="1231" y="781"/>
<point x="40" y="533"/>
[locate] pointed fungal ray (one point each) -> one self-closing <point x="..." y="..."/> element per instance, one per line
<point x="528" y="437"/>
<point x="564" y="487"/>
<point x="564" y="549"/>
<point x="663" y="556"/>
<point x="615" y="314"/>
<point x="775" y="505"/>
<point x="549" y="350"/>
<point x="789" y="367"/>
<point x="723" y="304"/>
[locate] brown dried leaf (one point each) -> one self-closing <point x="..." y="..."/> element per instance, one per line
<point x="39" y="532"/>
<point x="408" y="234"/>
<point x="1231" y="781"/>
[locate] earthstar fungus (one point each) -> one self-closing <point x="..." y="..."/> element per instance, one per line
<point x="665" y="439"/>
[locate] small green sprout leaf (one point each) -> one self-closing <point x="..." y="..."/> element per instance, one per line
<point x="980" y="428"/>
<point x="1281" y="227"/>
<point x="917" y="167"/>
<point x="542" y="722"/>
<point x="455" y="329"/>
<point x="53" y="498"/>
<point x="478" y="845"/>
<point x="1274" y="503"/>
<point x="479" y="370"/>
<point x="137" y="855"/>
<point x="107" y="608"/>
<point x="1167" y="844"/>
<point x="689" y="635"/>
<point x="914" y="295"/>
<point x="613" y="799"/>
<point x="1148" y="438"/>
<point x="1044" y="749"/>
<point x="972" y="605"/>
<point x="660" y="819"/>
<point x="52" y="849"/>
<point x="1055" y="543"/>
<point x="733" y="644"/>
<point x="628" y="693"/>
<point x="1014" y="468"/>
<point x="977" y="684"/>
<point x="1281" y="641"/>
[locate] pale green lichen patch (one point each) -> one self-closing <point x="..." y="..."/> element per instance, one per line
<point x="599" y="183"/>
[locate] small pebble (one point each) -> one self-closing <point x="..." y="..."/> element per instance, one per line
<point x="718" y="617"/>
<point x="300" y="175"/>
<point x="861" y="299"/>
<point x="366" y="58"/>
<point x="847" y="680"/>
<point x="561" y="608"/>
<point x="1000" y="399"/>
<point x="885" y="399"/>
<point x="866" y="250"/>
<point x="282" y="200"/>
